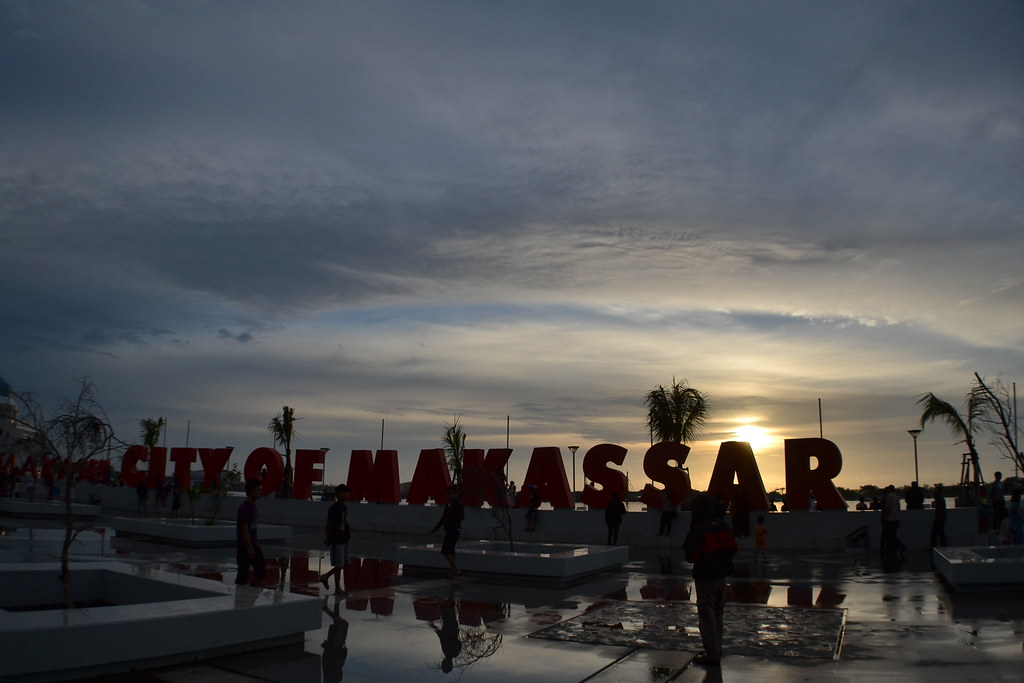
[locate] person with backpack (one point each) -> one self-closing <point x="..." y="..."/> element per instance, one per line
<point x="451" y="520"/>
<point x="709" y="546"/>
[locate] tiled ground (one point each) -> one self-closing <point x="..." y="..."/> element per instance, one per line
<point x="901" y="622"/>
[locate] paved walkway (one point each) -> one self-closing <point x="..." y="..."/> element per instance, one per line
<point x="797" y="617"/>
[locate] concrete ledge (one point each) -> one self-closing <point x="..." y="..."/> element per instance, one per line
<point x="981" y="567"/>
<point x="54" y="510"/>
<point x="558" y="563"/>
<point x="145" y="618"/>
<point x="183" y="532"/>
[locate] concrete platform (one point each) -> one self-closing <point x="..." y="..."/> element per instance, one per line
<point x="991" y="567"/>
<point x="182" y="532"/>
<point x="549" y="562"/>
<point x="17" y="509"/>
<point x="135" y="618"/>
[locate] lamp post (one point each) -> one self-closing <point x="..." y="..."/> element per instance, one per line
<point x="914" y="433"/>
<point x="574" y="449"/>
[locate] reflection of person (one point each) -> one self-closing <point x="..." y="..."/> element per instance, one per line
<point x="709" y="545"/>
<point x="451" y="520"/>
<point x="613" y="513"/>
<point x="247" y="542"/>
<point x="336" y="536"/>
<point x="938" y="535"/>
<point x="335" y="648"/>
<point x="448" y="634"/>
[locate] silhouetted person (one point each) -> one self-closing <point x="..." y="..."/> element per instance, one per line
<point x="668" y="513"/>
<point x="710" y="546"/>
<point x="761" y="539"/>
<point x="938" y="535"/>
<point x="534" y="511"/>
<point x="451" y="520"/>
<point x="613" y="513"/>
<point x="740" y="515"/>
<point x="337" y="535"/>
<point x="915" y="497"/>
<point x="996" y="501"/>
<point x="861" y="505"/>
<point x="248" y="550"/>
<point x="891" y="544"/>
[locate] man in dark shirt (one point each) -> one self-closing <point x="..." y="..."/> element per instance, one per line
<point x="451" y="520"/>
<point x="709" y="545"/>
<point x="247" y="543"/>
<point x="336" y="536"/>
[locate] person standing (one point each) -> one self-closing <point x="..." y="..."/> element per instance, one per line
<point x="534" y="511"/>
<point x="1016" y="518"/>
<point x="248" y="550"/>
<point x="141" y="494"/>
<point x="761" y="539"/>
<point x="613" y="513"/>
<point x="709" y="546"/>
<point x="891" y="544"/>
<point x="938" y="535"/>
<point x="996" y="501"/>
<point x="668" y="513"/>
<point x="337" y="535"/>
<point x="451" y="520"/>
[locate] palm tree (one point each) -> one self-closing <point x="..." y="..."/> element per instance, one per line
<point x="282" y="428"/>
<point x="678" y="413"/>
<point x="963" y="426"/>
<point x="454" y="440"/>
<point x="149" y="431"/>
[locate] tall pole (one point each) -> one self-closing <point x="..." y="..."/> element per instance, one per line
<point x="574" y="449"/>
<point x="915" y="433"/>
<point x="382" y="433"/>
<point x="821" y="425"/>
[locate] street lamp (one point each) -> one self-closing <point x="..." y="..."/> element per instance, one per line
<point x="574" y="449"/>
<point x="914" y="433"/>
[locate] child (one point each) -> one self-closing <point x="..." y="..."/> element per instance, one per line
<point x="761" y="539"/>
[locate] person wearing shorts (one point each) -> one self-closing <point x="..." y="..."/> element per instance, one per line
<point x="337" y="535"/>
<point x="451" y="520"/>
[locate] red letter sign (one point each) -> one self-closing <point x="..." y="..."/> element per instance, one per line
<point x="130" y="474"/>
<point x="214" y="461"/>
<point x="183" y="459"/>
<point x="736" y="460"/>
<point x="376" y="481"/>
<point x="657" y="466"/>
<point x="547" y="472"/>
<point x="305" y="473"/>
<point x="801" y="480"/>
<point x="595" y="468"/>
<point x="483" y="479"/>
<point x="431" y="478"/>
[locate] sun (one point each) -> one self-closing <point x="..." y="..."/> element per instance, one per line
<point x="757" y="437"/>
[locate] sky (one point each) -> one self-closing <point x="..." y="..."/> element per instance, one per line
<point x="524" y="214"/>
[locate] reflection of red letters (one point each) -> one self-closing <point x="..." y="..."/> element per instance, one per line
<point x="130" y="474"/>
<point x="801" y="480"/>
<point x="736" y="461"/>
<point x="183" y="459"/>
<point x="595" y="468"/>
<point x="431" y="478"/>
<point x="305" y="473"/>
<point x="214" y="460"/>
<point x="658" y="466"/>
<point x="374" y="480"/>
<point x="547" y="472"/>
<point x="483" y="477"/>
<point x="274" y="477"/>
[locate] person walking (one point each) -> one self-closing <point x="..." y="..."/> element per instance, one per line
<point x="451" y="520"/>
<point x="613" y="513"/>
<point x="336" y="536"/>
<point x="709" y="546"/>
<point x="938" y="535"/>
<point x="248" y="550"/>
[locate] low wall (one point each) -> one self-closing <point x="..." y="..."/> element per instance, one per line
<point x="824" y="530"/>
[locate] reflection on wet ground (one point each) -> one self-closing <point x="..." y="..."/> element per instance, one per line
<point x="786" y="619"/>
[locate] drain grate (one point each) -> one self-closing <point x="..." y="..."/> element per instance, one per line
<point x="749" y="629"/>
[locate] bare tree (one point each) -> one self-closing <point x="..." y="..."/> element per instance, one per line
<point x="998" y="416"/>
<point x="77" y="430"/>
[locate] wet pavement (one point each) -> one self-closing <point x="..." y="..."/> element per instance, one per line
<point x="796" y="617"/>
